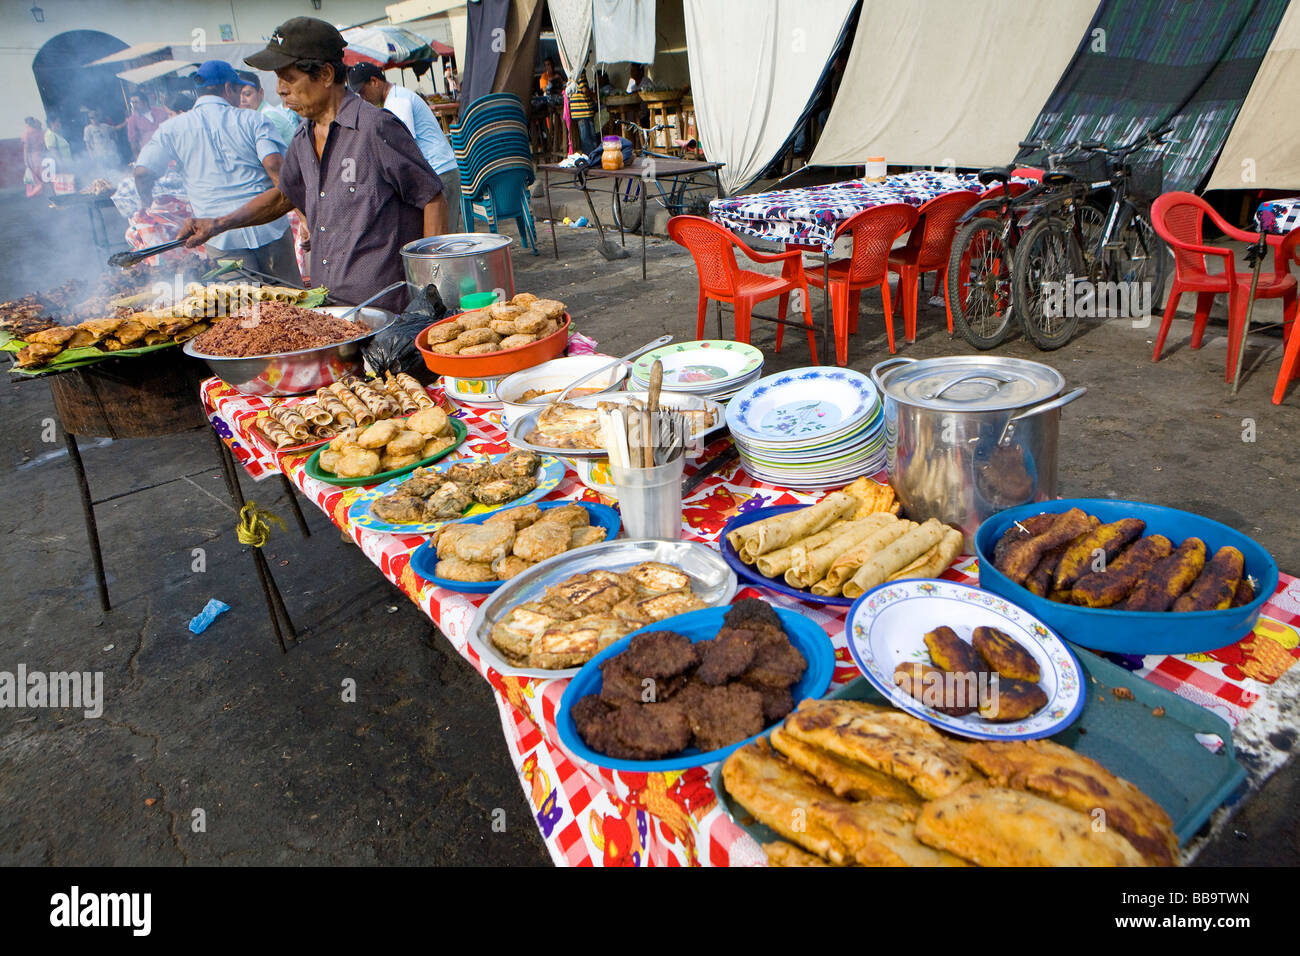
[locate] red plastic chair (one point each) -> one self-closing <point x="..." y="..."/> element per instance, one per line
<point x="1028" y="172"/>
<point x="722" y="279"/>
<point x="927" y="250"/>
<point x="874" y="231"/>
<point x="1288" y="252"/>
<point x="1178" y="218"/>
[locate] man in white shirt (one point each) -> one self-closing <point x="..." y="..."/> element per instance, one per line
<point x="367" y="81"/>
<point x="253" y="97"/>
<point x="226" y="156"/>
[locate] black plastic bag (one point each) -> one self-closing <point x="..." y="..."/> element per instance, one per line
<point x="393" y="350"/>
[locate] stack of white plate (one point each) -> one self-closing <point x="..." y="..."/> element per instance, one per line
<point x="713" y="368"/>
<point x="809" y="428"/>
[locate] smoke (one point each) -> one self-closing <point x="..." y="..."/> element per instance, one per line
<point x="42" y="246"/>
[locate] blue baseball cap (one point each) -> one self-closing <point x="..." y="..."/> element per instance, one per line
<point x="217" y="73"/>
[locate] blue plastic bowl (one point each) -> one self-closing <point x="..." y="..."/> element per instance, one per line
<point x="424" y="559"/>
<point x="806" y="636"/>
<point x="1135" y="632"/>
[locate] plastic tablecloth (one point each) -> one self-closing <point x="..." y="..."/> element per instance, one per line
<point x="1278" y="216"/>
<point x="587" y="815"/>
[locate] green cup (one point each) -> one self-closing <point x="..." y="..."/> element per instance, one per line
<point x="478" y="300"/>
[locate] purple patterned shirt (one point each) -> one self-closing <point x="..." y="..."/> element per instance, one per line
<point x="363" y="200"/>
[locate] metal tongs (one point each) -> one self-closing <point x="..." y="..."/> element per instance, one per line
<point x="662" y="340"/>
<point x="129" y="258"/>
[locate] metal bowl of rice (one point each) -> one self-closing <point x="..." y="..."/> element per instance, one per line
<point x="296" y="372"/>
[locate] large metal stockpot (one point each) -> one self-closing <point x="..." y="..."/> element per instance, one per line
<point x="967" y="436"/>
<point x="460" y="264"/>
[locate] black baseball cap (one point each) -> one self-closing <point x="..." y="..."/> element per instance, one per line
<point x="361" y="74"/>
<point x="302" y="38"/>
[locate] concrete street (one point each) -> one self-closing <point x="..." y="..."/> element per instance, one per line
<point x="284" y="771"/>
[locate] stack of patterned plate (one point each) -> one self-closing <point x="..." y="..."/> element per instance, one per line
<point x="810" y="428"/>
<point x="714" y="368"/>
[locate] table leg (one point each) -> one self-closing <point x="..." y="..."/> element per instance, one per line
<point x="828" y="338"/>
<point x="618" y="209"/>
<point x="645" y="226"/>
<point x="720" y="335"/>
<point x="88" y="510"/>
<point x="293" y="503"/>
<point x="550" y="211"/>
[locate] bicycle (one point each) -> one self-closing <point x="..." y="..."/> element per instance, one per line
<point x="979" y="289"/>
<point x="1069" y="240"/>
<point x="627" y="193"/>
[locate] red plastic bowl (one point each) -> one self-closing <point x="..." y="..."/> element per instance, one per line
<point x="494" y="364"/>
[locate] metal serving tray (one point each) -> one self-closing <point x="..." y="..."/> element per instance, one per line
<point x="522" y="426"/>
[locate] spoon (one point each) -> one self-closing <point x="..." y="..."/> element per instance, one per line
<point x="378" y="295"/>
<point x="662" y="340"/>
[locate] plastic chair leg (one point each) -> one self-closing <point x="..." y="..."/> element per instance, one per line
<point x="743" y="308"/>
<point x="840" y="320"/>
<point x="889" y="314"/>
<point x="855" y="308"/>
<point x="1171" y="308"/>
<point x="701" y="312"/>
<point x="1237" y="303"/>
<point x="1204" y="300"/>
<point x="947" y="306"/>
<point x="908" y="283"/>
<point x="782" y="304"/>
<point x="1290" y="359"/>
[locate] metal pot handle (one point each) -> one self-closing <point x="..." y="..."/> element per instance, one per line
<point x="885" y="366"/>
<point x="1065" y="399"/>
<point x="968" y="377"/>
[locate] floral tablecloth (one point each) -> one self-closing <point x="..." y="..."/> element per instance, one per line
<point x="591" y="816"/>
<point x="810" y="216"/>
<point x="1278" y="216"/>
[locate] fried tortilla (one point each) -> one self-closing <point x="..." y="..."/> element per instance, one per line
<point x="1073" y="780"/>
<point x="781" y="797"/>
<point x="994" y="826"/>
<point x="846" y="777"/>
<point x="890" y="741"/>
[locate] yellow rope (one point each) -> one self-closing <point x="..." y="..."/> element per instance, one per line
<point x="253" y="528"/>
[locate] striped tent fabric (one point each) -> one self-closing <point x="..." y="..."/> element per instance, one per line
<point x="1142" y="63"/>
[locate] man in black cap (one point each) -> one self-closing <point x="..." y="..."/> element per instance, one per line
<point x="353" y="169"/>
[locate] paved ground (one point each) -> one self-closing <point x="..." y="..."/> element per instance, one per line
<point x="412" y="772"/>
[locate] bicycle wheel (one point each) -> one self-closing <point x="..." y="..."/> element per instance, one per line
<point x="1092" y="220"/>
<point x="627" y="211"/>
<point x="1047" y="255"/>
<point x="1144" y="259"/>
<point x="979" y="284"/>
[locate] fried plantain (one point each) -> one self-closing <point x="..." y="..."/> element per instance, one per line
<point x="1108" y="539"/>
<point x="953" y="694"/>
<point x="1245" y="592"/>
<point x="950" y="653"/>
<point x="1023" y="556"/>
<point x="1040" y="579"/>
<point x="1109" y="587"/>
<point x="1004" y="654"/>
<point x="1021" y="530"/>
<point x="1010" y="700"/>
<point x="1217" y="585"/>
<point x="1160" y="587"/>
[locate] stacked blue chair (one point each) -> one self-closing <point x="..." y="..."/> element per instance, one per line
<point x="495" y="159"/>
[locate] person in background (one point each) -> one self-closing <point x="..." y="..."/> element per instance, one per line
<point x="582" y="108"/>
<point x="34" y="157"/>
<point x="636" y="77"/>
<point x="253" y="97"/>
<point x="179" y="102"/>
<point x="56" y="145"/>
<point x="353" y="169"/>
<point x="551" y="81"/>
<point x="452" y="80"/>
<point x="100" y="139"/>
<point x="604" y="85"/>
<point x="227" y="156"/>
<point x="142" y="121"/>
<point x="368" y="82"/>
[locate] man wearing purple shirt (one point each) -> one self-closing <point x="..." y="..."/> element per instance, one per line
<point x="354" y="171"/>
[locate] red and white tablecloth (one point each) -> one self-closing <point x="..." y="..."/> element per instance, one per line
<point x="591" y="816"/>
<point x="811" y="215"/>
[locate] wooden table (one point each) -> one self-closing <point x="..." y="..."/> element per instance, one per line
<point x="446" y="113"/>
<point x="647" y="169"/>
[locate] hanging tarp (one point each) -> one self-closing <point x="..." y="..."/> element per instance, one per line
<point x="755" y="65"/>
<point x="516" y="68"/>
<point x="571" y="21"/>
<point x="385" y="46"/>
<point x="926" y="82"/>
<point x="1263" y="149"/>
<point x="484" y="41"/>
<point x="1143" y="63"/>
<point x="623" y="31"/>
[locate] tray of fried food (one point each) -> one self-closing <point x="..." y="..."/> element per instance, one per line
<point x="836" y="549"/>
<point x="558" y="614"/>
<point x="385" y="449"/>
<point x="476" y="554"/>
<point x="497" y="328"/>
<point x="877" y="787"/>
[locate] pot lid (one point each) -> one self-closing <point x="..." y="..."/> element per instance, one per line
<point x="455" y="244"/>
<point x="968" y="383"/>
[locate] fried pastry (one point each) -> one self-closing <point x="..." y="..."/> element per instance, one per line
<point x="780" y="853"/>
<point x="889" y="741"/>
<point x="881" y="833"/>
<point x="542" y="540"/>
<point x="846" y="778"/>
<point x="457" y="569"/>
<point x="1075" y="781"/>
<point x="994" y="826"/>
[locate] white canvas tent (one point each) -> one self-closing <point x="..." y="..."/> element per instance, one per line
<point x="949" y="82"/>
<point x="755" y="65"/>
<point x="1263" y="148"/>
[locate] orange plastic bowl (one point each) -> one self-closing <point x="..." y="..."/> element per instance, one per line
<point x="494" y="364"/>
